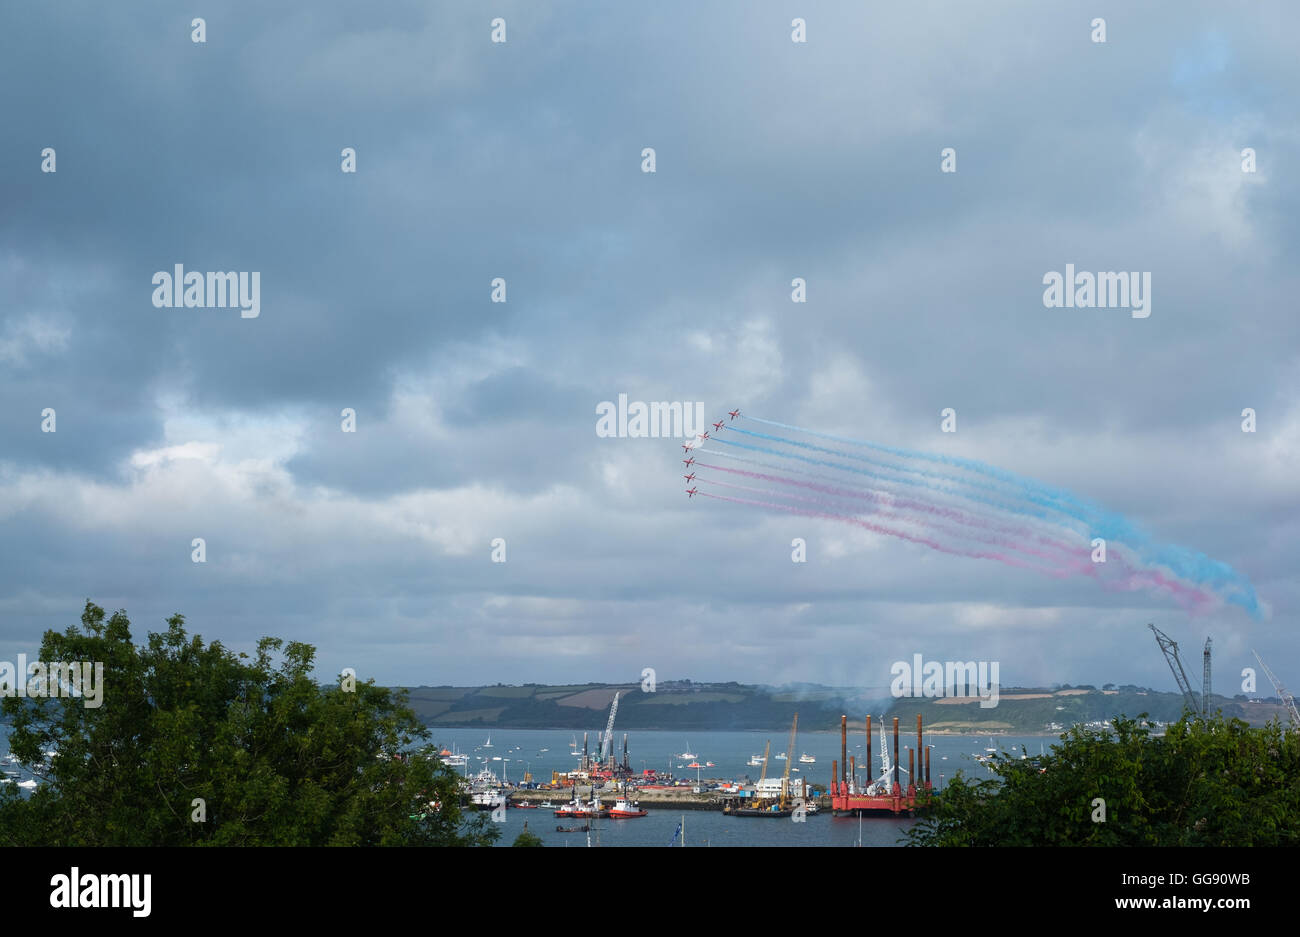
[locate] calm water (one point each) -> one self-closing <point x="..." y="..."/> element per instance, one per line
<point x="521" y="749"/>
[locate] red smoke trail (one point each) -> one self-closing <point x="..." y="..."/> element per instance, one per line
<point x="890" y="532"/>
<point x="890" y="500"/>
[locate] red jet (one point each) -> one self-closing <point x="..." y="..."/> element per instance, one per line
<point x="690" y="492"/>
<point x="688" y="462"/>
<point x="733" y="413"/>
<point x="717" y="425"/>
<point x="689" y="478"/>
<point x="688" y="446"/>
<point x="702" y="435"/>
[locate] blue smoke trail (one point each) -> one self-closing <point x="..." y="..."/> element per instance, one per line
<point x="1187" y="564"/>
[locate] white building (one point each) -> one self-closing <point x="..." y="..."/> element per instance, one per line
<point x="770" y="788"/>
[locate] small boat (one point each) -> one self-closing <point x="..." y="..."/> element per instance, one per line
<point x="546" y="805"/>
<point x="688" y="755"/>
<point x="807" y="760"/>
<point x="581" y="811"/>
<point x="626" y="809"/>
<point x="755" y="761"/>
<point x="573" y="829"/>
<point x="522" y="805"/>
<point x="709" y="764"/>
<point x="27" y="785"/>
<point x="781" y="757"/>
<point x="488" y="743"/>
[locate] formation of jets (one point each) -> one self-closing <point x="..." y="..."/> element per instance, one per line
<point x="688" y="446"/>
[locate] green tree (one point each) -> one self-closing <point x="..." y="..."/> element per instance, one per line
<point x="527" y="838"/>
<point x="194" y="744"/>
<point x="1210" y="782"/>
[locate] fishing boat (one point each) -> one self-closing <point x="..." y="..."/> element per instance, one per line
<point x="625" y="809"/>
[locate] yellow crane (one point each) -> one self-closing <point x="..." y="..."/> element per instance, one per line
<point x="789" y="757"/>
<point x="767" y="750"/>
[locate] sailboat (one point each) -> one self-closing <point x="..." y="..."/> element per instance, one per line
<point x="488" y="743"/>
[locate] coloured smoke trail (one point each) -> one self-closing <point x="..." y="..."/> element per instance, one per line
<point x="953" y="505"/>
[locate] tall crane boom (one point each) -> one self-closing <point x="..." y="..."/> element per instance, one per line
<point x="1286" y="697"/>
<point x="789" y="757"/>
<point x="767" y="750"/>
<point x="1170" y="649"/>
<point x="607" y="740"/>
<point x="1205" y="681"/>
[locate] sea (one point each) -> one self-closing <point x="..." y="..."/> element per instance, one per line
<point x="542" y="751"/>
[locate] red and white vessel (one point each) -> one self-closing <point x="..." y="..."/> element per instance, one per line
<point x="578" y="810"/>
<point x="625" y="809"/>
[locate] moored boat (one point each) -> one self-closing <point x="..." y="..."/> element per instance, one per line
<point x="625" y="809"/>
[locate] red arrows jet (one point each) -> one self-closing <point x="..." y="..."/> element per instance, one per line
<point x="718" y="425"/>
<point x="688" y="446"/>
<point x="688" y="462"/>
<point x="733" y="413"/>
<point x="702" y="435"/>
<point x="690" y="492"/>
<point x="690" y="477"/>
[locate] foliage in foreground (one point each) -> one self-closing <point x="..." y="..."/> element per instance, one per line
<point x="274" y="757"/>
<point x="1212" y="783"/>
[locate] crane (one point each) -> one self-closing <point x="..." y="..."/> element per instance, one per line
<point x="1170" y="649"/>
<point x="1287" y="699"/>
<point x="607" y="740"/>
<point x="789" y="757"/>
<point x="1205" y="680"/>
<point x="767" y="750"/>
<point x="881" y="785"/>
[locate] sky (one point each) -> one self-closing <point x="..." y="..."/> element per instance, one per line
<point x="476" y="421"/>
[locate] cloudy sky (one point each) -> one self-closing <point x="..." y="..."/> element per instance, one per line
<point x="477" y="420"/>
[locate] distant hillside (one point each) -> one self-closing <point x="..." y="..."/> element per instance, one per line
<point x="683" y="704"/>
<point x="678" y="704"/>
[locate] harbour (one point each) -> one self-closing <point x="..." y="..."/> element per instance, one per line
<point x="544" y="753"/>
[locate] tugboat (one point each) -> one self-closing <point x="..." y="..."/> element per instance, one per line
<point x="625" y="809"/>
<point x="578" y="810"/>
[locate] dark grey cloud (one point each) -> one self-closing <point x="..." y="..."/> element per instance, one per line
<point x="477" y="420"/>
